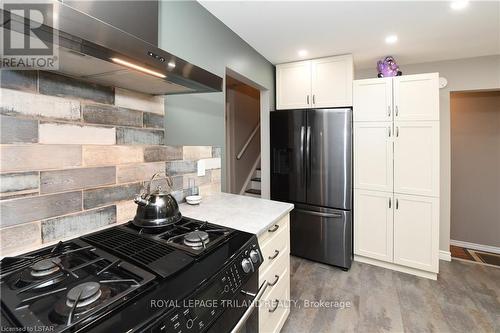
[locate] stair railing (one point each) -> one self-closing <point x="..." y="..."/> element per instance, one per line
<point x="247" y="143"/>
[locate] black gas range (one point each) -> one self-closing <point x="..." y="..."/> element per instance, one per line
<point x="192" y="276"/>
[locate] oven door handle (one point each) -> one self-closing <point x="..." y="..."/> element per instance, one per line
<point x="250" y="309"/>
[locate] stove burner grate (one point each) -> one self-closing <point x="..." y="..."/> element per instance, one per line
<point x="46" y="267"/>
<point x="196" y="239"/>
<point x="83" y="294"/>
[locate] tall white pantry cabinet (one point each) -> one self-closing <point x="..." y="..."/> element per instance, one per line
<point x="396" y="173"/>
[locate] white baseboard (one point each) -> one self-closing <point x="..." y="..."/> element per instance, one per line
<point x="473" y="246"/>
<point x="444" y="255"/>
<point x="395" y="267"/>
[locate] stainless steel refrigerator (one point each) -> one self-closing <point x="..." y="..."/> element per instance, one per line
<point x="311" y="167"/>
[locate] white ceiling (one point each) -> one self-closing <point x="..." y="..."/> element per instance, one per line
<point x="427" y="31"/>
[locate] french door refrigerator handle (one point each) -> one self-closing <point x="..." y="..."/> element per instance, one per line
<point x="302" y="134"/>
<point x="308" y="153"/>
<point x="309" y="212"/>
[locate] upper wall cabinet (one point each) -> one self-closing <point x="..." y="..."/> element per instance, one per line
<point x="400" y="98"/>
<point x="332" y="81"/>
<point x="293" y="85"/>
<point x="373" y="100"/>
<point x="318" y="83"/>
<point x="416" y="97"/>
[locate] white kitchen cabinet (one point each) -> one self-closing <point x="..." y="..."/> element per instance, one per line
<point x="397" y="160"/>
<point x="331" y="82"/>
<point x="416" y="232"/>
<point x="373" y="156"/>
<point x="318" y="83"/>
<point x="416" y="97"/>
<point x="416" y="158"/>
<point x="373" y="100"/>
<point x="373" y="224"/>
<point x="275" y="271"/>
<point x="293" y="85"/>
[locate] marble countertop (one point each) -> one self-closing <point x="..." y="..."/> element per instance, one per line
<point x="253" y="215"/>
<point x="239" y="212"/>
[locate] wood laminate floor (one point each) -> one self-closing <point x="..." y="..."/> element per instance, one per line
<point x="465" y="298"/>
<point x="483" y="257"/>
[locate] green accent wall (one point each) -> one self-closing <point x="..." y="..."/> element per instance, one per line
<point x="189" y="31"/>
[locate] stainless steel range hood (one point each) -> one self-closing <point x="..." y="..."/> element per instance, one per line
<point x="94" y="51"/>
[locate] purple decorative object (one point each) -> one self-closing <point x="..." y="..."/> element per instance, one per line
<point x="388" y="67"/>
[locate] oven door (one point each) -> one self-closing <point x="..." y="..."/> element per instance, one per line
<point x="242" y="316"/>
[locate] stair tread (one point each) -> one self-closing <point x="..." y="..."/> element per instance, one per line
<point x="253" y="191"/>
<point x="256" y="179"/>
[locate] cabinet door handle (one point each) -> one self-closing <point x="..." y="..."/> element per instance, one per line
<point x="276" y="252"/>
<point x="390" y="202"/>
<point x="307" y="98"/>
<point x="314" y="99"/>
<point x="273" y="229"/>
<point x="389" y="130"/>
<point x="275" y="307"/>
<point x="397" y="111"/>
<point x="389" y="111"/>
<point x="271" y="284"/>
<point x="397" y="204"/>
<point x="397" y="132"/>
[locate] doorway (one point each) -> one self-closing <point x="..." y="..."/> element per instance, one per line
<point x="475" y="176"/>
<point x="243" y="136"/>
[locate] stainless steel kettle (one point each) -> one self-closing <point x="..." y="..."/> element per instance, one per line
<point x="156" y="209"/>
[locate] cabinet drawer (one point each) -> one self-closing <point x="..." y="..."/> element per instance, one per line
<point x="275" y="272"/>
<point x="274" y="308"/>
<point x="274" y="229"/>
<point x="274" y="246"/>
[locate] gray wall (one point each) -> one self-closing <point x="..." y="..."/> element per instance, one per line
<point x="463" y="74"/>
<point x="475" y="167"/>
<point x="189" y="31"/>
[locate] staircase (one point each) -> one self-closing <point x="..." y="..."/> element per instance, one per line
<point x="253" y="186"/>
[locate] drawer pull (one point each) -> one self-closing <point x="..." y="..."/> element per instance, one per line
<point x="275" y="307"/>
<point x="271" y="284"/>
<point x="276" y="252"/>
<point x="276" y="227"/>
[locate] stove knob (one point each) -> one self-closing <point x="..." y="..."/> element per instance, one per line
<point x="247" y="265"/>
<point x="255" y="256"/>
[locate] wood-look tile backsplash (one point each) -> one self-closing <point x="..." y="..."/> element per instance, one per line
<point x="74" y="154"/>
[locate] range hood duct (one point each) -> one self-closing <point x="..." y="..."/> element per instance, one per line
<point x="94" y="51"/>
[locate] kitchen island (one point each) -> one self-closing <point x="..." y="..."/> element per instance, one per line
<point x="269" y="220"/>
